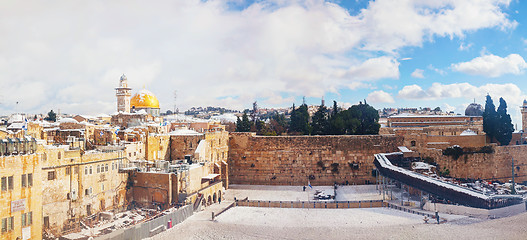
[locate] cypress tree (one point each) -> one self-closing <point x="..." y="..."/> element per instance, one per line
<point x="320" y="124"/>
<point x="490" y="118"/>
<point x="504" y="127"/>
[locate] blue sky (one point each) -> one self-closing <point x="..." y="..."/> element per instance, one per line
<point x="69" y="55"/>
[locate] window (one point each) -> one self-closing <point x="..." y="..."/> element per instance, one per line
<point x="4" y="224"/>
<point x="23" y="220"/>
<point x="10" y="183"/>
<point x="58" y="156"/>
<point x="4" y="184"/>
<point x="51" y="175"/>
<point x="98" y="168"/>
<point x="91" y="170"/>
<point x="24" y="180"/>
<point x="29" y="218"/>
<point x="30" y="179"/>
<point x="412" y="143"/>
<point x="68" y="170"/>
<point x="86" y="170"/>
<point x="102" y="186"/>
<point x="106" y="167"/>
<point x="10" y="223"/>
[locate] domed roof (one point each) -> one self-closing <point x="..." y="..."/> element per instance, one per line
<point x="144" y="99"/>
<point x="123" y="77"/>
<point x="474" y="109"/>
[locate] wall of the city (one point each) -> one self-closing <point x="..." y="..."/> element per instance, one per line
<point x="21" y="199"/>
<point x="293" y="160"/>
<point x="489" y="166"/>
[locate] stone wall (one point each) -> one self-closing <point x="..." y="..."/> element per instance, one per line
<point x="154" y="188"/>
<point x="489" y="166"/>
<point x="292" y="160"/>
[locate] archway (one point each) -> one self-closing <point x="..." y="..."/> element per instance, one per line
<point x="214" y="198"/>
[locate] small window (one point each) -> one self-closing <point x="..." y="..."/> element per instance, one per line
<point x="24" y="180"/>
<point x="29" y="218"/>
<point x="68" y="170"/>
<point x="4" y="225"/>
<point x="23" y="220"/>
<point x="51" y="175"/>
<point x="10" y="183"/>
<point x="106" y="167"/>
<point x="86" y="170"/>
<point x="91" y="170"/>
<point x="10" y="226"/>
<point x="98" y="168"/>
<point x="4" y="184"/>
<point x="30" y="179"/>
<point x="412" y="143"/>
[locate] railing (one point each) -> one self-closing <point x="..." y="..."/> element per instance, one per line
<point x="312" y="204"/>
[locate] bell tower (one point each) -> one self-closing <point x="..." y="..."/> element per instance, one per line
<point x="524" y="116"/>
<point x="123" y="93"/>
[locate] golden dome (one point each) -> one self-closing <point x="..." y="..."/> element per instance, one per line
<point x="144" y="99"/>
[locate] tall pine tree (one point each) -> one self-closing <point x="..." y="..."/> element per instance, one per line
<point x="504" y="127"/>
<point x="490" y="118"/>
<point x="320" y="124"/>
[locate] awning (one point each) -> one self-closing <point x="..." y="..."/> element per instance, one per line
<point x="210" y="176"/>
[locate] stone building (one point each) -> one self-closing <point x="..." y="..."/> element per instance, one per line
<point x="77" y="186"/>
<point x="20" y="197"/>
<point x="123" y="93"/>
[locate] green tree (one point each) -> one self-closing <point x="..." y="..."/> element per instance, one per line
<point x="490" y="118"/>
<point x="243" y="125"/>
<point x="320" y="123"/>
<point x="504" y="127"/>
<point x="52" y="116"/>
<point x="300" y="120"/>
<point x="278" y="123"/>
<point x="337" y="125"/>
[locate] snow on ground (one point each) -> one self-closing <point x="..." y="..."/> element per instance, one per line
<point x="276" y="217"/>
<point x="379" y="223"/>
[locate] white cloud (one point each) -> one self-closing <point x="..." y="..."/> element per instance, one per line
<point x="207" y="50"/>
<point x="459" y="90"/>
<point x="464" y="47"/>
<point x="394" y="24"/>
<point x="492" y="65"/>
<point x="374" y="69"/>
<point x="437" y="70"/>
<point x="380" y="97"/>
<point x="418" y="73"/>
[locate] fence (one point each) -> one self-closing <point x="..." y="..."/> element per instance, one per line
<point x="152" y="227"/>
<point x="309" y="204"/>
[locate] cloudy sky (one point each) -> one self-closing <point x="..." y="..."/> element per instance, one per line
<point x="69" y="55"/>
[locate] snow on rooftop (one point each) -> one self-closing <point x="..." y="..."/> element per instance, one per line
<point x="468" y="132"/>
<point x="68" y="120"/>
<point x="184" y="132"/>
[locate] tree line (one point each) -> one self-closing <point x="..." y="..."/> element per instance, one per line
<point x="360" y="119"/>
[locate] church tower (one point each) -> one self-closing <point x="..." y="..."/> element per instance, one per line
<point x="123" y="93"/>
<point x="524" y="116"/>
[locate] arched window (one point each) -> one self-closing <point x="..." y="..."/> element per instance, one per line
<point x="412" y="143"/>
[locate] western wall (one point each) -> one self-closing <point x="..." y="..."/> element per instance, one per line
<point x="293" y="160"/>
<point x="486" y="166"/>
